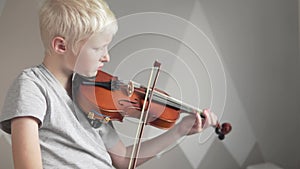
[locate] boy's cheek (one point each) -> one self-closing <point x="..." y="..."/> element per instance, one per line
<point x="85" y="70"/>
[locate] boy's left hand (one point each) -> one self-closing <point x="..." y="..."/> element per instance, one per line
<point x="193" y="124"/>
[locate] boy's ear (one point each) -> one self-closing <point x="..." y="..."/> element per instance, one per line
<point x="59" y="45"/>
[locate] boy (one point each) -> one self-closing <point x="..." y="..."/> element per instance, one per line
<point x="47" y="128"/>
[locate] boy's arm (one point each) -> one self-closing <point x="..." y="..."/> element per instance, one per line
<point x="25" y="143"/>
<point x="189" y="125"/>
<point x="121" y="155"/>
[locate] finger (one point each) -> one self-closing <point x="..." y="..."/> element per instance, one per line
<point x="210" y="118"/>
<point x="198" y="121"/>
<point x="214" y="119"/>
<point x="206" y="120"/>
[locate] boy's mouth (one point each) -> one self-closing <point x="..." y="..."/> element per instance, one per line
<point x="100" y="67"/>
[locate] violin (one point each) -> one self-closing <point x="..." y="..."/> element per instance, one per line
<point x="106" y="98"/>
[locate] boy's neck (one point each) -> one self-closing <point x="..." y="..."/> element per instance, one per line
<point x="61" y="73"/>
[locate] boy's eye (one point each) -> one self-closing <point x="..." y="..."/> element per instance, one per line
<point x="97" y="48"/>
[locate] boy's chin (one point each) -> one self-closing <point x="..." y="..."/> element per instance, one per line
<point x="87" y="74"/>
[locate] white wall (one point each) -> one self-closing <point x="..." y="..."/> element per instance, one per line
<point x="259" y="48"/>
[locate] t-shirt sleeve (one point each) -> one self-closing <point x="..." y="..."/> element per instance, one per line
<point x="24" y="98"/>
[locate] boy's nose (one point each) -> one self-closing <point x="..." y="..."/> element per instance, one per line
<point x="105" y="58"/>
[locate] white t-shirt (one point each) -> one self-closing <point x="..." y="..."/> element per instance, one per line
<point x="67" y="139"/>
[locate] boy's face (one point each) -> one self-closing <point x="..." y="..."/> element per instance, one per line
<point x="93" y="54"/>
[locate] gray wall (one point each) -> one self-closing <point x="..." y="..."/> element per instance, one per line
<point x="258" y="49"/>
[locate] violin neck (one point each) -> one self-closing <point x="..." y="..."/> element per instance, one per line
<point x="175" y="103"/>
<point x="170" y="101"/>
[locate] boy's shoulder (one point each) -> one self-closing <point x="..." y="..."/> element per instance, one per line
<point x="33" y="76"/>
<point x="31" y="72"/>
<point x="36" y="73"/>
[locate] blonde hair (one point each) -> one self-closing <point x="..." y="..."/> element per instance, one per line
<point x="74" y="20"/>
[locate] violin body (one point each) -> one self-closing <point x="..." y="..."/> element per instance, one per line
<point x="107" y="97"/>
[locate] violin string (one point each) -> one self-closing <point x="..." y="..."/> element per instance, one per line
<point x="171" y="101"/>
<point x="178" y="103"/>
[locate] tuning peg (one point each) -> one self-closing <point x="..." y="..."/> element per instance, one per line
<point x="222" y="130"/>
